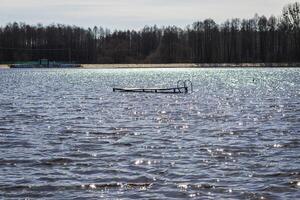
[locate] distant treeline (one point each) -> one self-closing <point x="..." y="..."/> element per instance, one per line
<point x="260" y="39"/>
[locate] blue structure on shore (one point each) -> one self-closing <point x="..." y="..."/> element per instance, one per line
<point x="45" y="63"/>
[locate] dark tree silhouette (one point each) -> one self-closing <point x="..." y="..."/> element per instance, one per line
<point x="259" y="39"/>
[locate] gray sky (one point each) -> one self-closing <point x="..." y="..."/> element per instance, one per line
<point x="133" y="14"/>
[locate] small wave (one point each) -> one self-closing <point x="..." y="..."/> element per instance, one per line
<point x="45" y="162"/>
<point x="295" y="183"/>
<point x="13" y="162"/>
<point x="55" y="161"/>
<point x="48" y="187"/>
<point x="279" y="174"/>
<point x="4" y="129"/>
<point x="206" y="187"/>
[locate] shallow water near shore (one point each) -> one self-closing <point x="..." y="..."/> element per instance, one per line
<point x="64" y="134"/>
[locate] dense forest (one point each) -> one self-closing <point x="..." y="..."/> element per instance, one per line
<point x="259" y="39"/>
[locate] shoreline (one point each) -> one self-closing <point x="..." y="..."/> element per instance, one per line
<point x="4" y="66"/>
<point x="191" y="65"/>
<point x="183" y="65"/>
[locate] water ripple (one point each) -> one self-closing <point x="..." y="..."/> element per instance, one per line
<point x="65" y="135"/>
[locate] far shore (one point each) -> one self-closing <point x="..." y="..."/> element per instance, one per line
<point x="4" y="66"/>
<point x="189" y="65"/>
<point x="182" y="65"/>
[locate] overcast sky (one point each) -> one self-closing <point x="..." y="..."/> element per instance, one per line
<point x="133" y="14"/>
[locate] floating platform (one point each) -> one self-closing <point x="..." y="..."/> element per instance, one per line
<point x="182" y="87"/>
<point x="153" y="90"/>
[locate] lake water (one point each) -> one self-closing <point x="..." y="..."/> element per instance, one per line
<point x="64" y="134"/>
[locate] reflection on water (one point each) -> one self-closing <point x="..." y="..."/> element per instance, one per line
<point x="65" y="134"/>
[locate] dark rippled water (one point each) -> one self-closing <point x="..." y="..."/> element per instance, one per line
<point x="64" y="134"/>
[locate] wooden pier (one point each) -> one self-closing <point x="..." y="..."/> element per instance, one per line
<point x="182" y="87"/>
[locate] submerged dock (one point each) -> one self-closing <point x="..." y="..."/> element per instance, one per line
<point x="182" y="87"/>
<point x="153" y="90"/>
